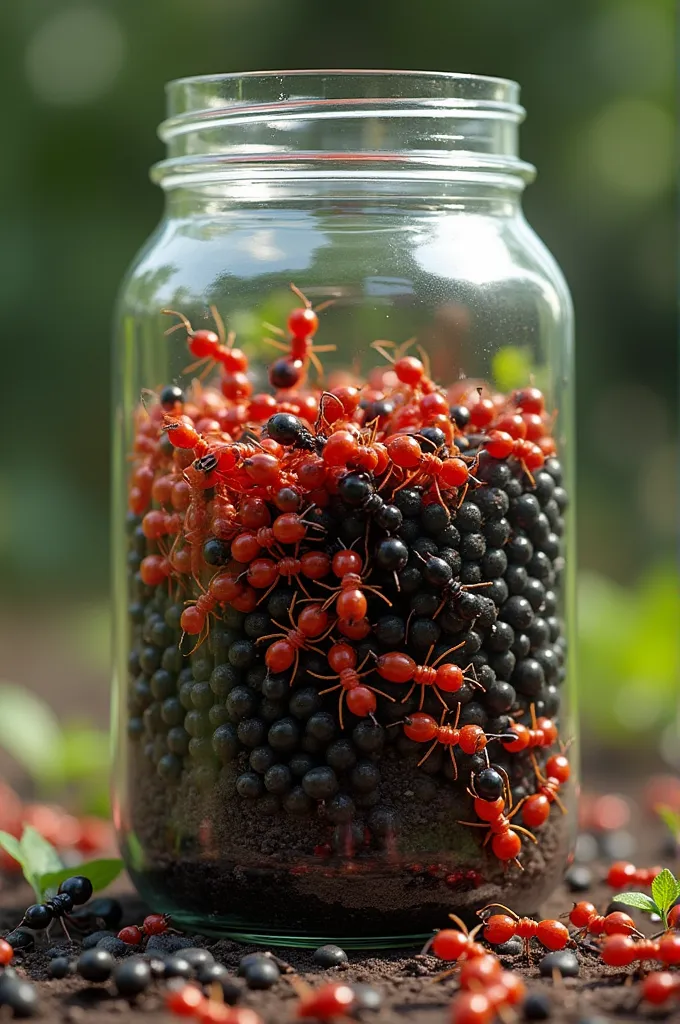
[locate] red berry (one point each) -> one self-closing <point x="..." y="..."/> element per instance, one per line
<point x="483" y="970"/>
<point x="361" y="701"/>
<point x="557" y="767"/>
<point x="454" y="473"/>
<point x="155" y="924"/>
<point x="6" y="952"/>
<point x="515" y="989"/>
<point x="669" y="949"/>
<point x="582" y="914"/>
<point x="499" y="444"/>
<point x="404" y="451"/>
<point x="420" y="727"/>
<point x="203" y="344"/>
<point x="618" y="923"/>
<point x="674" y="917"/>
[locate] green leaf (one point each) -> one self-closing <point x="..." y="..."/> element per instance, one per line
<point x="670" y="818"/>
<point x="512" y="367"/>
<point x="664" y="890"/>
<point x="11" y="846"/>
<point x="29" y="731"/>
<point x="39" y="856"/>
<point x="639" y="900"/>
<point x="100" y="872"/>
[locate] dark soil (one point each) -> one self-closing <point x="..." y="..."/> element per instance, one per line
<point x="403" y="978"/>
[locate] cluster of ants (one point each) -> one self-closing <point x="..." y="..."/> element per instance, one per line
<point x="231" y="485"/>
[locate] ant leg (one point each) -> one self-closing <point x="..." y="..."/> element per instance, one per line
<point x="316" y="362"/>
<point x="525" y="832"/>
<point x="272" y="636"/>
<point x="431" y="748"/>
<point x="461" y="924"/>
<point x="500" y="906"/>
<point x="413" y="686"/>
<point x="184" y="322"/>
<point x="471" y="824"/>
<point x="378" y="593"/>
<point x="453" y="762"/>
<point x="381" y="693"/>
<point x="446" y="653"/>
<point x="317" y="676"/>
<point x="560" y="804"/>
<point x="65" y="929"/>
<point x="408" y="624"/>
<point x="296" y="665"/>
<point x="532" y="712"/>
<point x="341" y="699"/>
<point x="274" y="344"/>
<point x="441" y="699"/>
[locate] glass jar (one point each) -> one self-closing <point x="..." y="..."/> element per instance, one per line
<point x="330" y="623"/>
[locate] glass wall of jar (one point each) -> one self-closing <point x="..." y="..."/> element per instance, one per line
<point x="343" y="512"/>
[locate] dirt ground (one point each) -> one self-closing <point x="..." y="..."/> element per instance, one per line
<point x="405" y="979"/>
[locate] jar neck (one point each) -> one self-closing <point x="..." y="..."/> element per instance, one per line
<point x="342" y="135"/>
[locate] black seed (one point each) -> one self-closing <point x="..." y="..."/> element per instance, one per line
<point x="448" y="538"/>
<point x="225" y="742"/>
<point x="321" y="726"/>
<point x="410" y="579"/>
<point x="424" y="632"/>
<point x="501" y="637"/>
<point x="256" y="624"/>
<point x="468" y="605"/>
<point x="563" y="961"/>
<point x="320" y="783"/>
<point x="177" y="967"/>
<point x="208" y="972"/>
<point x="550" y="663"/>
<point x="216" y="551"/>
<point x="518" y="612"/>
<point x="473" y="714"/>
<point x="262" y="759"/>
<point x="365" y="777"/>
<point x="368" y="737"/>
<point x="304" y="703"/>
<point x="20" y="996"/>
<point x="460" y="415"/>
<point x="114" y="946"/>
<point x="241" y="653"/>
<point x="132" y="978"/>
<point x="503" y="665"/>
<point x="197" y="956"/>
<point x="301" y="763"/>
<point x="521" y="646"/>
<point x="252" y="731"/>
<point x="202" y="697"/>
<point x="541" y="567"/>
<point x="408" y="501"/>
<point x="261" y="973"/>
<point x="284" y="373"/>
<point x="512" y="947"/>
<point x="494" y="563"/>
<point x="329" y="956"/>
<point x="470" y="572"/>
<point x="389" y="631"/>
<point x="340" y="808"/>
<point x="579" y="878"/>
<point x="169" y="767"/>
<point x="275" y="687"/>
<point x="172" y="711"/>
<point x="492" y="502"/>
<point x="341" y="755"/>
<point x="95" y="965"/>
<point x="516" y="578"/>
<point x="469" y="517"/>
<point x="297" y="802"/>
<point x="278" y="779"/>
<point x="284" y="735"/>
<point x="497" y="532"/>
<point x="409" y="531"/>
<point x="528" y="677"/>
<point x="452" y="559"/>
<point x="197" y="724"/>
<point x="426" y="547"/>
<point x="434" y="518"/>
<point x="240" y="703"/>
<point x="249" y="785"/>
<point x="537" y="1006"/>
<point x="60" y="967"/>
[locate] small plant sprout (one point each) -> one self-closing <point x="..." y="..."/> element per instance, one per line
<point x="42" y="866"/>
<point x="665" y="891"/>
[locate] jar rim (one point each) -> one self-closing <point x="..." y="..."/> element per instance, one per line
<point x="450" y="76"/>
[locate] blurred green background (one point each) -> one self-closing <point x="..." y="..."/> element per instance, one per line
<point x="83" y="93"/>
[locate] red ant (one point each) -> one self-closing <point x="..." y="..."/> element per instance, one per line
<point x="621" y="951"/>
<point x="302" y="324"/>
<point x="536" y="808"/>
<point x="398" y="667"/>
<point x="622" y="874"/>
<point x="349" y="597"/>
<point x="361" y="701"/>
<point x="585" y="917"/>
<point x="211" y="348"/>
<point x="288" y="528"/>
<point x="153" y="924"/>
<point x="422" y="728"/>
<point x="506" y="841"/>
<point x="498" y="928"/>
<point x="455" y="943"/>
<point x="543" y="733"/>
<point x="312" y="623"/>
<point x="224" y="588"/>
<point x="264" y="573"/>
